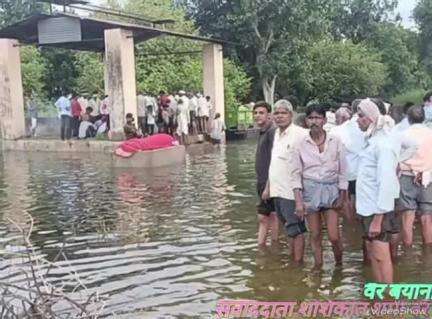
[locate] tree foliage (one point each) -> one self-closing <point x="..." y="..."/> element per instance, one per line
<point x="173" y="72"/>
<point x="334" y="68"/>
<point x="61" y="72"/>
<point x="397" y="47"/>
<point x="265" y="33"/>
<point x="12" y="11"/>
<point x="33" y="68"/>
<point x="90" y="69"/>
<point x="358" y="20"/>
<point x="307" y="48"/>
<point x="271" y="36"/>
<point x="423" y="17"/>
<point x="157" y="65"/>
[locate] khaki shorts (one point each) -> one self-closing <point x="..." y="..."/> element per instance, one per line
<point x="285" y="210"/>
<point x="414" y="197"/>
<point x="319" y="196"/>
<point x="390" y="225"/>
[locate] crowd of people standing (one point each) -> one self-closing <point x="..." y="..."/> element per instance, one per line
<point x="178" y="114"/>
<point x="362" y="165"/>
<point x="82" y="117"/>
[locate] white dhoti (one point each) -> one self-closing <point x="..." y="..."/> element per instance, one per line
<point x="183" y="127"/>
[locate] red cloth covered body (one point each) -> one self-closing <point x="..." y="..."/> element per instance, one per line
<point x="76" y="108"/>
<point x="149" y="143"/>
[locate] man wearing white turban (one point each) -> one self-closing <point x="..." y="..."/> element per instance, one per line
<point x="377" y="187"/>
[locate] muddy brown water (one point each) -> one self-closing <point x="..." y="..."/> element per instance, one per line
<point x="170" y="242"/>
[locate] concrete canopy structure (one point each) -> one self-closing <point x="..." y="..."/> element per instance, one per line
<point x="116" y="39"/>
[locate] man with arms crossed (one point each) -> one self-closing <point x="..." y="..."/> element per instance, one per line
<point x="377" y="188"/>
<point x="266" y="213"/>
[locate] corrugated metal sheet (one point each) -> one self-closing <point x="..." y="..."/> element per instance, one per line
<point x="59" y="30"/>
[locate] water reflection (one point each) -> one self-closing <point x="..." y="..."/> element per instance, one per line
<point x="168" y="242"/>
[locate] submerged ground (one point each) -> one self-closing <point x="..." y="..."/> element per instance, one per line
<point x="166" y="243"/>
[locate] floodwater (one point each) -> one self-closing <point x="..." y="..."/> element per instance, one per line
<point x="165" y="243"/>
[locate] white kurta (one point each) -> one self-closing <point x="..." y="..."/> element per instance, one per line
<point x="141" y="105"/>
<point x="93" y="104"/>
<point x="218" y="126"/>
<point x="203" y="107"/>
<point x="193" y="104"/>
<point x="105" y="106"/>
<point x="185" y="100"/>
<point x="183" y="119"/>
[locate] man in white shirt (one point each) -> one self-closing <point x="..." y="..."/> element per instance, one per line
<point x="93" y="104"/>
<point x="183" y="121"/>
<point x="353" y="139"/>
<point x="193" y="107"/>
<point x="280" y="186"/>
<point x="151" y="108"/>
<point x="377" y="188"/>
<point x="142" y="112"/>
<point x="63" y="105"/>
<point x="203" y="113"/>
<point x="105" y="106"/>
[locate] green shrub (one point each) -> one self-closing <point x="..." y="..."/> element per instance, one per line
<point x="415" y="96"/>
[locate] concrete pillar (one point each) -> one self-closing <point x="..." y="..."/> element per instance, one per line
<point x="12" y="122"/>
<point x="121" y="82"/>
<point x="213" y="76"/>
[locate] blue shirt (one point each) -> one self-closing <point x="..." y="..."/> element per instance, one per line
<point x="377" y="184"/>
<point x="63" y="106"/>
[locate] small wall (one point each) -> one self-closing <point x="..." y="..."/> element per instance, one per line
<point x="149" y="159"/>
<point x="72" y="146"/>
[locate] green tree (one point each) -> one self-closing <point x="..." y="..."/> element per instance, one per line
<point x="265" y="33"/>
<point x="339" y="68"/>
<point x="61" y="72"/>
<point x="270" y="36"/>
<point x="173" y="64"/>
<point x="33" y="68"/>
<point x="12" y="11"/>
<point x="397" y="47"/>
<point x="423" y="17"/>
<point x="358" y="20"/>
<point x="90" y="69"/>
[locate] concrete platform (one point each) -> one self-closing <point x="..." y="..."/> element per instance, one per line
<point x="157" y="158"/>
<point x="52" y="145"/>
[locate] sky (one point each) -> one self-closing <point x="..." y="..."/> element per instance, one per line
<point x="405" y="8"/>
